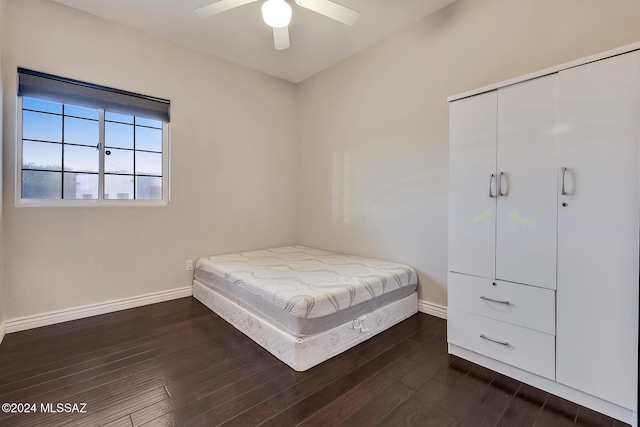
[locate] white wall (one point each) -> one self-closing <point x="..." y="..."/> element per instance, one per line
<point x="353" y="159"/>
<point x="374" y="128"/>
<point x="233" y="165"/>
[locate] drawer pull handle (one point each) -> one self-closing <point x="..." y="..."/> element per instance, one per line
<point x="494" y="300"/>
<point x="484" y="337"/>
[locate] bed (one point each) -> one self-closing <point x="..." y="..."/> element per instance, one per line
<point x="306" y="305"/>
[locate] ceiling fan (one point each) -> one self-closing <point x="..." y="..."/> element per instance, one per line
<point x="277" y="14"/>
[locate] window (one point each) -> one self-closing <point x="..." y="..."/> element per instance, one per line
<point x="87" y="144"/>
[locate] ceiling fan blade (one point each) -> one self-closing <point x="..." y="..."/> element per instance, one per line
<point x="331" y="10"/>
<point x="281" y="38"/>
<point x="220" y="6"/>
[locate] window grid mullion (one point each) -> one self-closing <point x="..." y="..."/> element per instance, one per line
<point x="101" y="144"/>
<point x="134" y="158"/>
<point x="62" y="172"/>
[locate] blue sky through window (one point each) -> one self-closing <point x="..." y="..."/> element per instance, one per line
<point x="64" y="139"/>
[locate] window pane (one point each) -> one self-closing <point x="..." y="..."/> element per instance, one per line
<point x="87" y="113"/>
<point x="118" y="187"/>
<point x="40" y="105"/>
<point x="148" y="163"/>
<point x="119" y="161"/>
<point x="148" y="187"/>
<point x="80" y="186"/>
<point x="80" y="131"/>
<point x="115" y="117"/>
<point x="41" y="155"/>
<point x="44" y="127"/>
<point x="148" y="139"/>
<point x="80" y="159"/>
<point x="41" y="185"/>
<point x="118" y="135"/>
<point x="148" y="122"/>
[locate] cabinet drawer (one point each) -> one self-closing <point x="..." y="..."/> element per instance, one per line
<point x="521" y="347"/>
<point x="528" y="306"/>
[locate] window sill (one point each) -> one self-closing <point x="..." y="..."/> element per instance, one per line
<point x="35" y="203"/>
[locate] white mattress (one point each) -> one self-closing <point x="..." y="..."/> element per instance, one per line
<point x="302" y="353"/>
<point x="303" y="290"/>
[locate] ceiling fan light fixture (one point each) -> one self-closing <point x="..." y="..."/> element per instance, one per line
<point x="276" y="13"/>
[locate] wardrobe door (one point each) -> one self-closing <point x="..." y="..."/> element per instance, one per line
<point x="527" y="164"/>
<point x="597" y="294"/>
<point x="472" y="184"/>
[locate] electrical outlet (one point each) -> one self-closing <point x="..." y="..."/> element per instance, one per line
<point x="189" y="265"/>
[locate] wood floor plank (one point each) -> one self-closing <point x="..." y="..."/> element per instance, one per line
<point x="173" y="355"/>
<point x="524" y="407"/>
<point x="68" y="384"/>
<point x="436" y="328"/>
<point x="218" y="407"/>
<point x="309" y="405"/>
<point x="216" y="379"/>
<point x="11" y="381"/>
<point x="351" y="402"/>
<point x="496" y="398"/>
<point x="120" y="422"/>
<point x="183" y="307"/>
<point x="454" y="372"/>
<point x="45" y="356"/>
<point x="178" y="364"/>
<point x="590" y="418"/>
<point x="95" y="391"/>
<point x="424" y="417"/>
<point x="557" y="412"/>
<point x="467" y="393"/>
<point x="426" y="370"/>
<point x="309" y="382"/>
<point x="336" y="366"/>
<point x="419" y="406"/>
<point x="113" y="407"/>
<point x="380" y="406"/>
<point x="478" y="417"/>
<point x="85" y="335"/>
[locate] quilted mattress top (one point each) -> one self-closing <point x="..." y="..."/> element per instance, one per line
<point x="309" y="283"/>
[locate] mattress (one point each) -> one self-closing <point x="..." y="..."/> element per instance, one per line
<point x="305" y="291"/>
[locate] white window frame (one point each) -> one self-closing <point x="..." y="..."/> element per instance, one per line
<point x="100" y="201"/>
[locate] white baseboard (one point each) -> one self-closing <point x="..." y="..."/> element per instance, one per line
<point x="30" y="322"/>
<point x="432" y="309"/>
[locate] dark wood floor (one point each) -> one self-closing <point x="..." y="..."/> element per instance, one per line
<point x="178" y="364"/>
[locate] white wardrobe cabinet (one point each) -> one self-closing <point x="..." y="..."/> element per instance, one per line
<point x="527" y="209"/>
<point x="597" y="320"/>
<point x="544" y="229"/>
<point x="502" y="184"/>
<point x="472" y="180"/>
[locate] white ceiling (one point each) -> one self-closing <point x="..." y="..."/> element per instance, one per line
<point x="239" y="35"/>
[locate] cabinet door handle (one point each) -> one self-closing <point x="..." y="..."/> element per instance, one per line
<point x="500" y="192"/>
<point x="493" y="176"/>
<point x="572" y="188"/>
<point x="494" y="300"/>
<point x="484" y="337"/>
